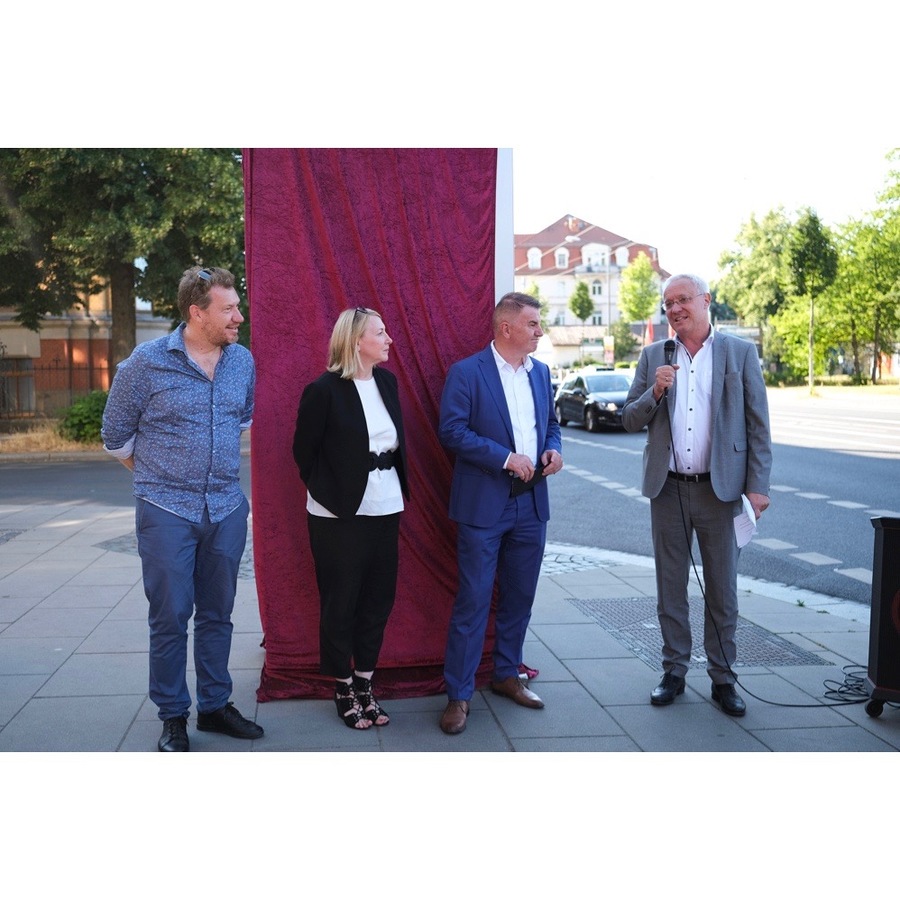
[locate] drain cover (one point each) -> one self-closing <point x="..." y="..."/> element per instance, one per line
<point x="633" y="623"/>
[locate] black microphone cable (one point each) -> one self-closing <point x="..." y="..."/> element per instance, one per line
<point x="853" y="685"/>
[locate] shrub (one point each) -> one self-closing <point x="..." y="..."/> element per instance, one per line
<point x="82" y="420"/>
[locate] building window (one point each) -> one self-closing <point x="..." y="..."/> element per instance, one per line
<point x="562" y="258"/>
<point x="534" y="258"/>
<point x="596" y="288"/>
<point x="595" y="256"/>
<point x="597" y="319"/>
<point x="16" y="387"/>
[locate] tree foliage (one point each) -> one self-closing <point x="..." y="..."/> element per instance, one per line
<point x="639" y="290"/>
<point x="864" y="302"/>
<point x="812" y="267"/>
<point x="77" y="220"/>
<point x="812" y="258"/>
<point x="535" y="292"/>
<point x="581" y="303"/>
<point x="754" y="283"/>
<point x="782" y="265"/>
<point x="625" y="341"/>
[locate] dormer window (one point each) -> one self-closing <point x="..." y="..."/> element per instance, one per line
<point x="534" y="258"/>
<point x="595" y="256"/>
<point x="562" y="258"/>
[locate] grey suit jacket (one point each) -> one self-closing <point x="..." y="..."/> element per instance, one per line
<point x="741" y="459"/>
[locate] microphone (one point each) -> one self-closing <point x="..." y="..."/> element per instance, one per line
<point x="669" y="350"/>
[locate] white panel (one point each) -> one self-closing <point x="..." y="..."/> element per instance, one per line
<point x="504" y="236"/>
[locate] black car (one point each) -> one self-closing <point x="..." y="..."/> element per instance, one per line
<point x="593" y="399"/>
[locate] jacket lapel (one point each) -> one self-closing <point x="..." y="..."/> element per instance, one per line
<point x="488" y="368"/>
<point x="541" y="410"/>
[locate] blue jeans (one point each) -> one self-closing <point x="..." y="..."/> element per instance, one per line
<point x="189" y="569"/>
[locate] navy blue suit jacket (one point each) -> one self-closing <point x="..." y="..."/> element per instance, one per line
<point x="476" y="427"/>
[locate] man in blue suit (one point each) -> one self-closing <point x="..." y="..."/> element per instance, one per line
<point x="497" y="418"/>
<point x="703" y="400"/>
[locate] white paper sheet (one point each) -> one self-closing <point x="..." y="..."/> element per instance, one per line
<point x="745" y="523"/>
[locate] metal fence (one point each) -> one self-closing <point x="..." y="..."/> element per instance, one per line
<point x="31" y="391"/>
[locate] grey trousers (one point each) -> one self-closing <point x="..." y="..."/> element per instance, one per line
<point x="681" y="511"/>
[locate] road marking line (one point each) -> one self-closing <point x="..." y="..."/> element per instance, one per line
<point x="863" y="575"/>
<point x="817" y="559"/>
<point x="774" y="544"/>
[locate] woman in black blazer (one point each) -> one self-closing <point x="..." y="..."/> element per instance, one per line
<point x="349" y="448"/>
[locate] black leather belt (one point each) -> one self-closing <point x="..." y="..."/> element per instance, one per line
<point x="381" y="460"/>
<point x="696" y="479"/>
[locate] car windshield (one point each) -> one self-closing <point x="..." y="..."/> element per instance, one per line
<point x="604" y="384"/>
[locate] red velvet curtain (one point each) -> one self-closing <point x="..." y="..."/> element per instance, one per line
<point x="407" y="232"/>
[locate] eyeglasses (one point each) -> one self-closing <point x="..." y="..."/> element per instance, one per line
<point x="680" y="301"/>
<point x="360" y="310"/>
<point x="205" y="274"/>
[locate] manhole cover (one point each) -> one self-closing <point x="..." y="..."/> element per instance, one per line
<point x="633" y="623"/>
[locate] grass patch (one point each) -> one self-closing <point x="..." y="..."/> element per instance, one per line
<point x="43" y="438"/>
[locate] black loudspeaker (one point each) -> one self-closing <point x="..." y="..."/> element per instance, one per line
<point x="883" y="678"/>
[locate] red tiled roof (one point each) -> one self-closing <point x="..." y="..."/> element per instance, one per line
<point x="573" y="233"/>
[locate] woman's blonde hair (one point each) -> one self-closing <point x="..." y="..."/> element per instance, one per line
<point x="343" y="348"/>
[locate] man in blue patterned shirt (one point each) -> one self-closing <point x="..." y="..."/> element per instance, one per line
<point x="174" y="417"/>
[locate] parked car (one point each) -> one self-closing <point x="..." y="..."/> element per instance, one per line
<point x="594" y="398"/>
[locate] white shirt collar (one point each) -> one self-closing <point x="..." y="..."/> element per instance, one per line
<point x="528" y="362"/>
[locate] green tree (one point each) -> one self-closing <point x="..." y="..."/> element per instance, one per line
<point x="755" y="279"/>
<point x="625" y="341"/>
<point x="639" y="291"/>
<point x="862" y="305"/>
<point x="582" y="305"/>
<point x="77" y="220"/>
<point x="812" y="266"/>
<point x="535" y="292"/>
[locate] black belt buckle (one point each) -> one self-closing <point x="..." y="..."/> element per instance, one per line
<point x="692" y="479"/>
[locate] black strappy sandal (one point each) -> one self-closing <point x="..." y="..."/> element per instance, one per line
<point x="370" y="706"/>
<point x="348" y="707"/>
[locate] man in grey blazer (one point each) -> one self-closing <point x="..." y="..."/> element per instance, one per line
<point x="704" y="404"/>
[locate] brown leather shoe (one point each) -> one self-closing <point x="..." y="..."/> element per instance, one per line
<point x="453" y="721"/>
<point x="513" y="688"/>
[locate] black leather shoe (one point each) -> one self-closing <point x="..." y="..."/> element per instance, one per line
<point x="174" y="736"/>
<point x="667" y="690"/>
<point x="228" y="720"/>
<point x="727" y="698"/>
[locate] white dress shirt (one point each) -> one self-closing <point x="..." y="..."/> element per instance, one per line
<point x="520" y="402"/>
<point x="692" y="410"/>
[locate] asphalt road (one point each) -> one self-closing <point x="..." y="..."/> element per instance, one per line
<point x="835" y="469"/>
